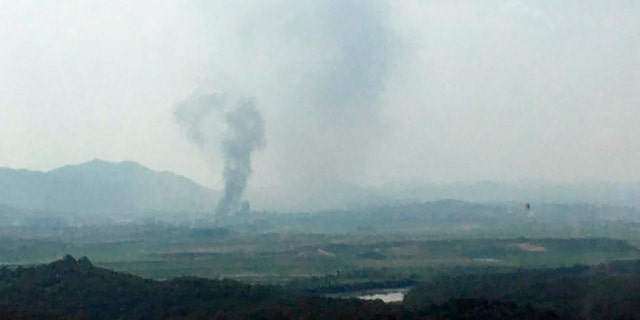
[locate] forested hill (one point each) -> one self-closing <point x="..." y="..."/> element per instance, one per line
<point x="606" y="291"/>
<point x="102" y="187"/>
<point x="75" y="289"/>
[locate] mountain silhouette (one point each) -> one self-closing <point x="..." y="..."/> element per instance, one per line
<point x="102" y="187"/>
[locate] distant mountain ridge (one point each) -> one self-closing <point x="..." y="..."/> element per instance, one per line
<point x="102" y="187"/>
<point x="113" y="189"/>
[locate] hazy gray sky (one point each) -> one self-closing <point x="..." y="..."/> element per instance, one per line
<point x="360" y="92"/>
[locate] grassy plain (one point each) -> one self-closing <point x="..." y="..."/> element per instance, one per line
<point x="330" y="262"/>
<point x="333" y="251"/>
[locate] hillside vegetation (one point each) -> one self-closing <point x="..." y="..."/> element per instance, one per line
<point x="75" y="289"/>
<point x="606" y="291"/>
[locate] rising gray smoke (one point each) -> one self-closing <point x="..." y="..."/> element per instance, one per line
<point x="193" y="115"/>
<point x="326" y="68"/>
<point x="244" y="134"/>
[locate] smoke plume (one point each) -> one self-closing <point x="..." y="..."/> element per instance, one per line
<point x="194" y="116"/>
<point x="244" y="134"/>
<point x="322" y="69"/>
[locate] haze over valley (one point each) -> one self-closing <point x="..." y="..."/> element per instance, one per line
<point x="326" y="159"/>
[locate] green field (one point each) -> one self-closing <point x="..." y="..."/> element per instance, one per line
<point x="394" y="246"/>
<point x="328" y="261"/>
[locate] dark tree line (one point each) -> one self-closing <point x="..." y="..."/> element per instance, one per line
<point x="75" y="289"/>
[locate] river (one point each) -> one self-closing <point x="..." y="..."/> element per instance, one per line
<point x="386" y="295"/>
